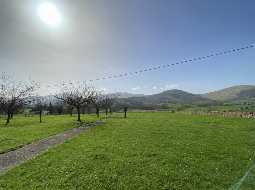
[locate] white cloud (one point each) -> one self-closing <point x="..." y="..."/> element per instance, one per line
<point x="136" y="88"/>
<point x="170" y="86"/>
<point x="103" y="90"/>
<point x="154" y="88"/>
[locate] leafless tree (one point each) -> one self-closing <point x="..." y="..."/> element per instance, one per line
<point x="125" y="111"/>
<point x="107" y="103"/>
<point x="77" y="96"/>
<point x="39" y="103"/>
<point x="14" y="95"/>
<point x="99" y="102"/>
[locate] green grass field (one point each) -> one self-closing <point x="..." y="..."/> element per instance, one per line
<point x="24" y="130"/>
<point x="144" y="151"/>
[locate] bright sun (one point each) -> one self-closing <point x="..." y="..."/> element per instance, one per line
<point x="49" y="14"/>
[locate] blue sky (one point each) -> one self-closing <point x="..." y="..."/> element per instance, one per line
<point x="97" y="38"/>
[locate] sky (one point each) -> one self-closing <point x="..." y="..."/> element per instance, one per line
<point x="98" y="38"/>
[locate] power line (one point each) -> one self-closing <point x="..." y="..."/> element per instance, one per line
<point x="185" y="61"/>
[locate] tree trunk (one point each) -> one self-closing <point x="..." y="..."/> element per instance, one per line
<point x="125" y="111"/>
<point x="110" y="109"/>
<point x="8" y="118"/>
<point x="40" y="116"/>
<point x="106" y="111"/>
<point x="97" y="111"/>
<point x="79" y="114"/>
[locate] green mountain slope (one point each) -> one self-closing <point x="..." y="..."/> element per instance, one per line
<point x="176" y="96"/>
<point x="164" y="98"/>
<point x="240" y="92"/>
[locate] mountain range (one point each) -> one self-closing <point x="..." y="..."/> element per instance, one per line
<point x="241" y="92"/>
<point x="234" y="94"/>
<point x="170" y="97"/>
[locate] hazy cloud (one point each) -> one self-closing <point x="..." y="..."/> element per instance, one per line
<point x="169" y="87"/>
<point x="136" y="88"/>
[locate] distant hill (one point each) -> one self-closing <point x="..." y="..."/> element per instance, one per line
<point x="125" y="95"/>
<point x="176" y="96"/>
<point x="165" y="98"/>
<point x="241" y="92"/>
<point x="171" y="98"/>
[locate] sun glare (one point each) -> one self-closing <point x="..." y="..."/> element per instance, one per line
<point x="49" y="14"/>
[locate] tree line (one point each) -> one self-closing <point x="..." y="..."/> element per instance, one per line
<point x="15" y="96"/>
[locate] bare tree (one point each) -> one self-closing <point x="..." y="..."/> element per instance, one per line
<point x="59" y="108"/>
<point x="39" y="103"/>
<point x="125" y="111"/>
<point x="99" y="103"/>
<point x="14" y="95"/>
<point x="77" y="96"/>
<point x="107" y="102"/>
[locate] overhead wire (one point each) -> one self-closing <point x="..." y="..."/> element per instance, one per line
<point x="184" y="61"/>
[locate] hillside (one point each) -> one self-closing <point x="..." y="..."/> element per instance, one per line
<point x="125" y="95"/>
<point x="239" y="93"/>
<point x="176" y="96"/>
<point x="173" y="98"/>
<point x="165" y="98"/>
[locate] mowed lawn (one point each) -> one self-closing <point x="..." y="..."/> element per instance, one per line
<point x="24" y="130"/>
<point x="145" y="151"/>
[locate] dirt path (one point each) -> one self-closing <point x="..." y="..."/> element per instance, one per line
<point x="13" y="158"/>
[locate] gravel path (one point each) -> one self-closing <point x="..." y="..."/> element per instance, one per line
<point x="13" y="158"/>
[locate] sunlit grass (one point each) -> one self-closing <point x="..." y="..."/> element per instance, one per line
<point x="145" y="151"/>
<point x="23" y="130"/>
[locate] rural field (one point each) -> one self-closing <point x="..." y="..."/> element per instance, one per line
<point x="127" y="95"/>
<point x="24" y="130"/>
<point x="155" y="150"/>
